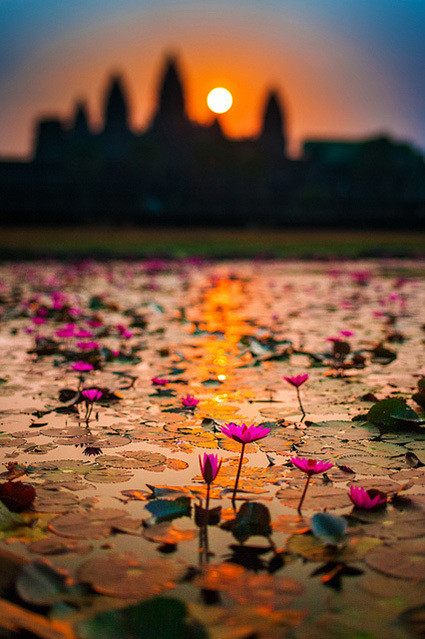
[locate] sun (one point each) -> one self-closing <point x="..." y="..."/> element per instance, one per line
<point x="219" y="100"/>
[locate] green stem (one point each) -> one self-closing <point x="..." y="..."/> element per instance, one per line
<point x="300" y="404"/>
<point x="237" y="476"/>
<point x="207" y="504"/>
<point x="303" y="495"/>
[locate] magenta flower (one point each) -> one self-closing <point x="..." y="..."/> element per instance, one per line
<point x="83" y="333"/>
<point x="297" y="380"/>
<point x="38" y="320"/>
<point x="243" y="434"/>
<point x="363" y="498"/>
<point x="190" y="401"/>
<point x="159" y="381"/>
<point x="310" y="467"/>
<point x="82" y="367"/>
<point x="94" y="323"/>
<point x="346" y="333"/>
<point x="90" y="395"/>
<point x="87" y="346"/>
<point x="210" y="467"/>
<point x="65" y="332"/>
<point x="124" y="331"/>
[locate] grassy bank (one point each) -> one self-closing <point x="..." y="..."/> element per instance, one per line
<point x="122" y="242"/>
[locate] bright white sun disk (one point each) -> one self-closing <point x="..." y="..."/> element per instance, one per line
<point x="219" y="100"/>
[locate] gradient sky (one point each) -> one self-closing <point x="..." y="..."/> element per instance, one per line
<point x="343" y="68"/>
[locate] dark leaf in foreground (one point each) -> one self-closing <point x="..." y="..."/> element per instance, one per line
<point x="251" y="519"/>
<point x="159" y="618"/>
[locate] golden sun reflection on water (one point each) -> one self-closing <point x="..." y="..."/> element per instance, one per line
<point x="221" y="313"/>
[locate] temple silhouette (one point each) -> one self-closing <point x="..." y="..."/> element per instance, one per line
<point x="177" y="172"/>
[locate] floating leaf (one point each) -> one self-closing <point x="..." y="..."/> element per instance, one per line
<point x="328" y="528"/>
<point x="129" y="576"/>
<point x="403" y="559"/>
<point x="159" y="618"/>
<point x="392" y="414"/>
<point x="251" y="519"/>
<point x="40" y="584"/>
<point x="167" y="509"/>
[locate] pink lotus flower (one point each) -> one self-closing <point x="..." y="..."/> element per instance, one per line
<point x="124" y="331"/>
<point x="82" y="367"/>
<point x="296" y="380"/>
<point x="94" y="323"/>
<point x="88" y="346"/>
<point x="83" y="333"/>
<point x="243" y="433"/>
<point x="38" y="320"/>
<point x="64" y="332"/>
<point x="347" y="333"/>
<point x="210" y="466"/>
<point x="159" y="381"/>
<point x="363" y="498"/>
<point x="190" y="401"/>
<point x="310" y="466"/>
<point x="91" y="394"/>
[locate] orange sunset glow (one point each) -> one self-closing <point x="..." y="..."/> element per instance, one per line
<point x="326" y="82"/>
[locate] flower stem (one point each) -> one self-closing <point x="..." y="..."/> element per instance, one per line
<point x="303" y="495"/>
<point x="237" y="477"/>
<point x="300" y="404"/>
<point x="207" y="503"/>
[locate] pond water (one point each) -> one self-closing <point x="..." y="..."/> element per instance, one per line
<point x="118" y="515"/>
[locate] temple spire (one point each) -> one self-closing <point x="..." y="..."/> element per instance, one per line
<point x="272" y="135"/>
<point x="116" y="113"/>
<point x="80" y="127"/>
<point x="171" y="101"/>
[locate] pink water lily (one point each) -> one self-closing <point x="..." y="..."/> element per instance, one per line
<point x="210" y="466"/>
<point x="159" y="381"/>
<point x="243" y="434"/>
<point x="297" y="381"/>
<point x="90" y="395"/>
<point x="83" y="333"/>
<point x="346" y="333"/>
<point x="363" y="498"/>
<point x="82" y="367"/>
<point x="65" y="332"/>
<point x="88" y="346"/>
<point x="310" y="467"/>
<point x="190" y="401"/>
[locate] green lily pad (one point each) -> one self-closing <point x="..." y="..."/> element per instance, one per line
<point x="392" y="414"/>
<point x="251" y="519"/>
<point x="328" y="528"/>
<point x="158" y="618"/>
<point x="167" y="509"/>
